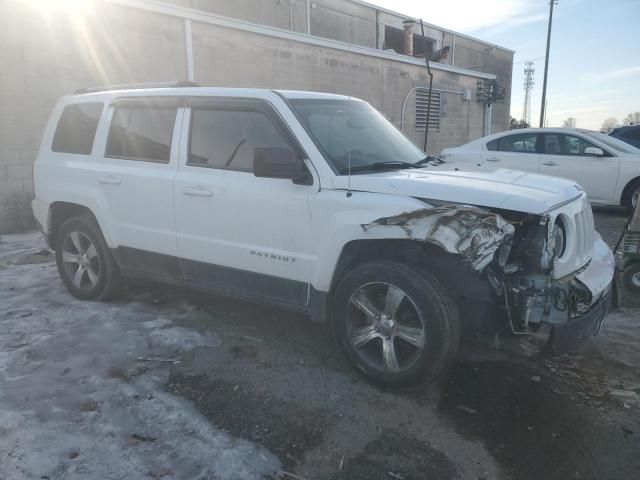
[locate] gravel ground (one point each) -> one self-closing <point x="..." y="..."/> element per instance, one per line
<point x="170" y="384"/>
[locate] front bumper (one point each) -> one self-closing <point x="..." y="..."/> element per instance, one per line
<point x="567" y="337"/>
<point x="599" y="278"/>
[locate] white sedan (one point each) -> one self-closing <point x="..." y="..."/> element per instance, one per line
<point x="607" y="168"/>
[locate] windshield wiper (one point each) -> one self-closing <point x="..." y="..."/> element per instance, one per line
<point x="390" y="165"/>
<point x="429" y="159"/>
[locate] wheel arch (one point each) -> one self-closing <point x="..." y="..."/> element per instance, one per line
<point x="469" y="288"/>
<point x="60" y="212"/>
<point x="626" y="191"/>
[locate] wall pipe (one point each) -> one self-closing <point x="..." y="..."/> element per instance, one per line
<point x="188" y="44"/>
<point x="453" y="51"/>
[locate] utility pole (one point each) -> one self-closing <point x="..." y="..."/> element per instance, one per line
<point x="529" y="70"/>
<point x="546" y="65"/>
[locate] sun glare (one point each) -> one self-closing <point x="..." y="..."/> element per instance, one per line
<point x="54" y="6"/>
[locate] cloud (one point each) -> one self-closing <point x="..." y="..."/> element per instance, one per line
<point x="599" y="77"/>
<point x="591" y="107"/>
<point x="512" y="23"/>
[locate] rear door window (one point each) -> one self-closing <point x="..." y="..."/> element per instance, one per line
<point x="141" y="134"/>
<point x="76" y="128"/>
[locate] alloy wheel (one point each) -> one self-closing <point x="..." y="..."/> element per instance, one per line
<point x="385" y="327"/>
<point x="81" y="260"/>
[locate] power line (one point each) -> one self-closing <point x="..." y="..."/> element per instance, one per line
<point x="530" y="60"/>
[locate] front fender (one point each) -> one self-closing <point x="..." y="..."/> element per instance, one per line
<point x="471" y="232"/>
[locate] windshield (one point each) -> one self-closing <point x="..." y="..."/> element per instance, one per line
<point x="346" y="130"/>
<point x="614" y="143"/>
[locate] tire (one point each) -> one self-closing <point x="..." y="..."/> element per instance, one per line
<point x="631" y="195"/>
<point x="80" y="245"/>
<point x="409" y="315"/>
<point x="631" y="277"/>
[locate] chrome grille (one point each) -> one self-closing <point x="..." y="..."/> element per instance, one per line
<point x="584" y="231"/>
<point x="578" y="219"/>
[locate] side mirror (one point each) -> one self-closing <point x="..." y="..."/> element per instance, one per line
<point x="595" y="151"/>
<point x="278" y="162"/>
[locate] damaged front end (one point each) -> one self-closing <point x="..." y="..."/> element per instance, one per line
<point x="520" y="257"/>
<point x="473" y="233"/>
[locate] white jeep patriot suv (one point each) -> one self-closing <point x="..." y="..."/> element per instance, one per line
<point x="315" y="202"/>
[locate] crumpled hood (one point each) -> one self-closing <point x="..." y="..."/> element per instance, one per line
<point x="507" y="189"/>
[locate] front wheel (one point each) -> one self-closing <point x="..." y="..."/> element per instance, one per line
<point x="395" y="324"/>
<point x="84" y="261"/>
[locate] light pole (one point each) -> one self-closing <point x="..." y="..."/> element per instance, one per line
<point x="546" y="65"/>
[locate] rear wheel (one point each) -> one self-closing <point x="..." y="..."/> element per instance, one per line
<point x="395" y="324"/>
<point x="632" y="195"/>
<point x="84" y="261"/>
<point x="631" y="277"/>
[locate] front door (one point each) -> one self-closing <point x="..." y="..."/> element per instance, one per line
<point x="239" y="233"/>
<point x="563" y="155"/>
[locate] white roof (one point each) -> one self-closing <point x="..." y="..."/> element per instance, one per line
<point x="122" y="91"/>
<point x="536" y="130"/>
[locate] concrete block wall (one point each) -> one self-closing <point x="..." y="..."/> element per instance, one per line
<point x="285" y="14"/>
<point x="344" y="21"/>
<point x="336" y="19"/>
<point x="48" y="56"/>
<point x="291" y="65"/>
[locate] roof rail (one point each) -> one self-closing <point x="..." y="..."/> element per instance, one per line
<point x="137" y="86"/>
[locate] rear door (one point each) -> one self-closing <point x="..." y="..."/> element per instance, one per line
<point x="563" y="155"/>
<point x="517" y="151"/>
<point x="238" y="233"/>
<point x="135" y="175"/>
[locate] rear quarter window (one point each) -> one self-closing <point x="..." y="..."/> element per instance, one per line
<point x="76" y="129"/>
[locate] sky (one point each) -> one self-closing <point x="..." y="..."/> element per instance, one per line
<point x="594" y="64"/>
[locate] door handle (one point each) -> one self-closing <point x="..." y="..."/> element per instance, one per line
<point x="109" y="180"/>
<point x="492" y="159"/>
<point x="197" y="192"/>
<point x="549" y="163"/>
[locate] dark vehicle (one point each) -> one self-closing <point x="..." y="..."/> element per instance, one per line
<point x="630" y="243"/>
<point x="629" y="134"/>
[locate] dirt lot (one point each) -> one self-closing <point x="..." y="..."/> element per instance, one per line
<point x="168" y="384"/>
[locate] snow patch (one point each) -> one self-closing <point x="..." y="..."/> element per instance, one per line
<point x="75" y="401"/>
